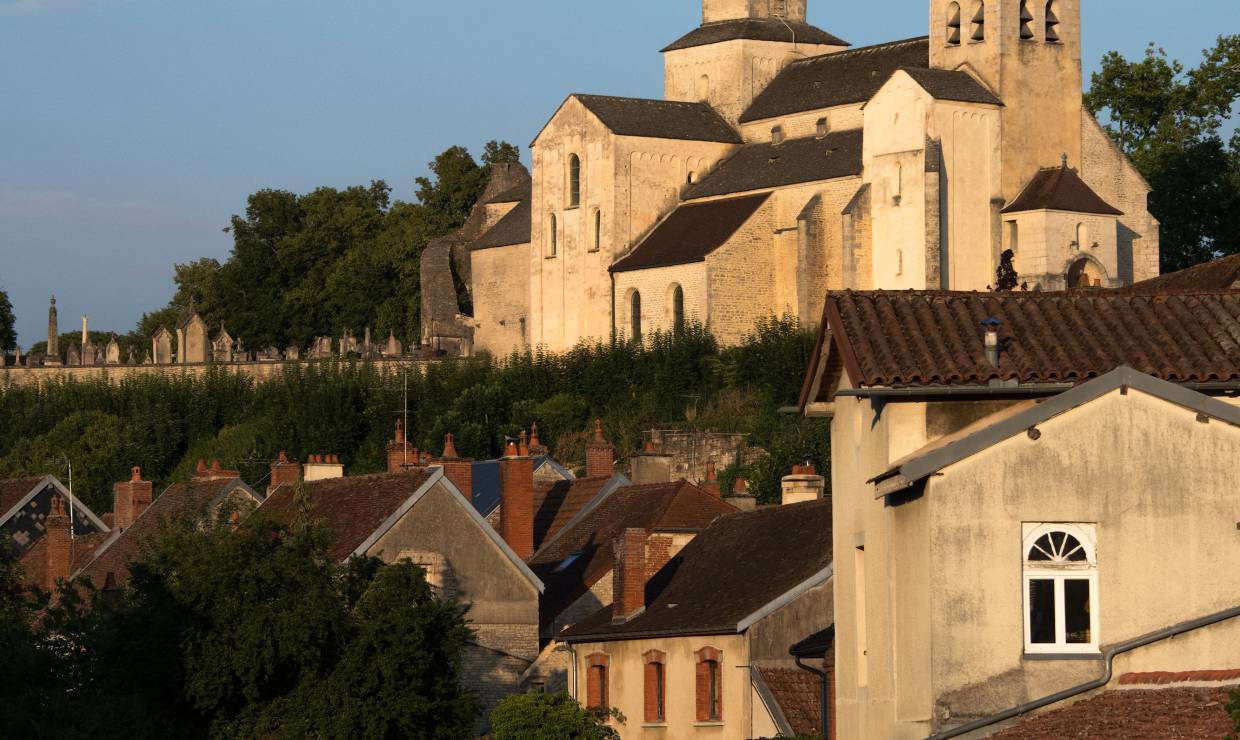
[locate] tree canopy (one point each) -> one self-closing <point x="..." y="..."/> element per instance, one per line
<point x="8" y="334"/>
<point x="547" y="717"/>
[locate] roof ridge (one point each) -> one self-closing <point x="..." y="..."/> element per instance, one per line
<point x="860" y="50"/>
<point x="598" y="96"/>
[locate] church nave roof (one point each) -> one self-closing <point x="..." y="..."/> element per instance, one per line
<point x="760" y="166"/>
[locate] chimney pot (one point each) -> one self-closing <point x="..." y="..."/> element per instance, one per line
<point x="600" y="454"/>
<point x="523" y="448"/>
<point x="449" y="446"/>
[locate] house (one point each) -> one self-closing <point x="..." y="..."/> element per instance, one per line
<point x="28" y="514"/>
<point x="1033" y="493"/>
<point x="698" y="646"/>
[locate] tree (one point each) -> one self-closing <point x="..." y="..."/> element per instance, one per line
<point x="500" y="152"/>
<point x="1005" y="275"/>
<point x="8" y="334"/>
<point x="547" y="717"/>
<point x="1168" y="122"/>
<point x="1234" y="709"/>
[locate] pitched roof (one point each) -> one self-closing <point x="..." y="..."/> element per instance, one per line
<point x="952" y="84"/>
<point x="691" y="232"/>
<point x="485" y="487"/>
<point x="677" y="506"/>
<point x="514" y="228"/>
<point x="352" y="507"/>
<point x="841" y="78"/>
<point x="1060" y="189"/>
<point x="179" y="504"/>
<point x="921" y="338"/>
<point x="1220" y="274"/>
<point x="520" y="191"/>
<point x="754" y="29"/>
<point x="730" y="574"/>
<point x="796" y="696"/>
<point x="759" y="166"/>
<point x="25" y="504"/>
<point x="1165" y="710"/>
<point x="13" y="490"/>
<point x="556" y="504"/>
<point x="660" y="119"/>
<point x="34" y="562"/>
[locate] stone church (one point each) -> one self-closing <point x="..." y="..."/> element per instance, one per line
<point x="781" y="164"/>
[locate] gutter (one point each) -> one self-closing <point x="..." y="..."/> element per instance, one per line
<point x="1108" y="657"/>
<point x="824" y="710"/>
<point x="986" y="391"/>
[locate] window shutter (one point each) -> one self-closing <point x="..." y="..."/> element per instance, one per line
<point x="592" y="687"/>
<point x="703" y="691"/>
<point x="652" y="693"/>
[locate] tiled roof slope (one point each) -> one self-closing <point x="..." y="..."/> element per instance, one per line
<point x="660" y="119"/>
<point x="1219" y="274"/>
<point x="842" y="78"/>
<point x="513" y="228"/>
<point x="14" y="490"/>
<point x="760" y="166"/>
<point x="1060" y="189"/>
<point x="754" y="29"/>
<point x="352" y="508"/>
<point x="797" y="693"/>
<point x="741" y="563"/>
<point x="887" y="338"/>
<point x="677" y="506"/>
<point x="950" y="84"/>
<point x="691" y="232"/>
<point x="34" y="562"/>
<point x="557" y="503"/>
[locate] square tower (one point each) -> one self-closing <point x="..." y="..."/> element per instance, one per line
<point x="726" y="10"/>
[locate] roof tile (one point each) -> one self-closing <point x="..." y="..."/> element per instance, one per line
<point x="660" y="119"/>
<point x="754" y="29"/>
<point x="1060" y="189"/>
<point x="1133" y="713"/>
<point x="691" y="232"/>
<point x="760" y="166"/>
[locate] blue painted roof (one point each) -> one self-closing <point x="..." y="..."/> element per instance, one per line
<point x="485" y="490"/>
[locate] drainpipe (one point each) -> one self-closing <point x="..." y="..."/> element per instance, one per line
<point x="1108" y="657"/>
<point x="823" y="709"/>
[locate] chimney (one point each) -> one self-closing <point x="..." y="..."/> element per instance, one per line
<point x="537" y="448"/>
<point x="59" y="544"/>
<point x="600" y="454"/>
<point x="457" y="469"/>
<point x="284" y="472"/>
<point x="401" y="455"/>
<point x="322" y="467"/>
<point x="741" y="497"/>
<point x="516" y="518"/>
<point x="803" y="485"/>
<point x="131" y="498"/>
<point x="628" y="579"/>
<point x="650" y="466"/>
<point x="711" y="484"/>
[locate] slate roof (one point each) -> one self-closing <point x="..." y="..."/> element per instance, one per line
<point x="842" y="78"/>
<point x="352" y="507"/>
<point x="1219" y="274"/>
<point x="754" y="29"/>
<point x="797" y="693"/>
<point x="949" y="84"/>
<point x="760" y="166"/>
<point x="514" y="228"/>
<point x="677" y="506"/>
<point x="1165" y="711"/>
<point x="485" y="481"/>
<point x="919" y="338"/>
<point x="660" y="119"/>
<point x="691" y="232"/>
<point x="22" y="528"/>
<point x="740" y="564"/>
<point x="1060" y="189"/>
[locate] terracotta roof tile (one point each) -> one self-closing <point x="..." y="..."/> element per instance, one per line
<point x="691" y="232"/>
<point x="1133" y="713"/>
<point x="797" y="693"/>
<point x="556" y="504"/>
<point x="1220" y="274"/>
<point x="754" y="29"/>
<point x="1060" y="189"/>
<point x="34" y="562"/>
<point x="14" y="490"/>
<point x="760" y="166"/>
<point x="1169" y="677"/>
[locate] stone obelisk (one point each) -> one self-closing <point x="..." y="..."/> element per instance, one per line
<point x="53" y="335"/>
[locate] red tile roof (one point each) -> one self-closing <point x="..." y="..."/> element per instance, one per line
<point x="555" y="504"/>
<point x="1220" y="274"/>
<point x="1125" y="714"/>
<point x="352" y="508"/>
<point x="34" y="562"/>
<point x="797" y="693"/>
<point x="14" y="490"/>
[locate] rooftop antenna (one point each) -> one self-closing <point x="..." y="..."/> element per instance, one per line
<point x="404" y="449"/>
<point x="65" y="462"/>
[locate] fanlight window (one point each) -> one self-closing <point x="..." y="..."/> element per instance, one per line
<point x="1061" y="589"/>
<point x="978" y="22"/>
<point x="1026" y="21"/>
<point x="953" y="24"/>
<point x="1052" y="21"/>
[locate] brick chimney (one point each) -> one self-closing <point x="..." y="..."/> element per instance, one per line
<point x="215" y="472"/>
<point x="741" y="498"/>
<point x="803" y="485"/>
<point x="59" y="544"/>
<point x="537" y="448"/>
<point x="130" y="498"/>
<point x="516" y="519"/>
<point x="284" y="472"/>
<point x="628" y="579"/>
<point x="600" y="454"/>
<point x="711" y="484"/>
<point x="456" y="468"/>
<point x="401" y="455"/>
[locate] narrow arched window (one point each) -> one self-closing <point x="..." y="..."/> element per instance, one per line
<point x="655" y="686"/>
<point x="977" y="27"/>
<point x="597" y="680"/>
<point x="598" y="230"/>
<point x="1082" y="236"/>
<point x="1052" y="21"/>
<point x="1026" y="21"/>
<point x="953" y="24"/>
<point x="678" y="308"/>
<point x="635" y="316"/>
<point x="709" y="688"/>
<point x="1061" y="588"/>
<point x="554" y="237"/>
<point x="574" y="181"/>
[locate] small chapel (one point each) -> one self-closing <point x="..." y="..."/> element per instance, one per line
<point x="782" y="163"/>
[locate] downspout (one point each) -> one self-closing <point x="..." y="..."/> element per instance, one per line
<point x="823" y="709"/>
<point x="572" y="654"/>
<point x="1108" y="656"/>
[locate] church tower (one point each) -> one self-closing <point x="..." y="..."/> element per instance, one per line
<point x="737" y="51"/>
<point x="1028" y="52"/>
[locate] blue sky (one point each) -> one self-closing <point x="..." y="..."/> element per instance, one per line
<point x="133" y="129"/>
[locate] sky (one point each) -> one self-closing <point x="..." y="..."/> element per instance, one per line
<point x="132" y="130"/>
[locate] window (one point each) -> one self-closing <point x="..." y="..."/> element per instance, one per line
<point x="678" y="308"/>
<point x="596" y="681"/>
<point x="953" y="24"/>
<point x="1052" y="21"/>
<point x="823" y="127"/>
<point x="1061" y="589"/>
<point x="1082" y="236"/>
<point x="978" y="22"/>
<point x="574" y="181"/>
<point x="635" y="316"/>
<point x="777" y="135"/>
<point x="709" y="687"/>
<point x="598" y="230"/>
<point x="1026" y="21"/>
<point x="553" y="239"/>
<point x="1013" y="236"/>
<point x="655" y="686"/>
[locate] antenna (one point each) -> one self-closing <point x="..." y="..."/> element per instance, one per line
<point x="404" y="449"/>
<point x="65" y="462"/>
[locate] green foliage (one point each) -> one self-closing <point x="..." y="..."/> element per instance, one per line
<point x="1234" y="709"/>
<point x="547" y="717"/>
<point x="1006" y="278"/>
<point x="8" y="334"/>
<point x="1168" y="121"/>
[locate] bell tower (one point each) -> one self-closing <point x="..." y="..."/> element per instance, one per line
<point x="727" y="10"/>
<point x="1029" y="53"/>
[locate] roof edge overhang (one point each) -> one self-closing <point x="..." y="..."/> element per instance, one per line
<point x="771" y="704"/>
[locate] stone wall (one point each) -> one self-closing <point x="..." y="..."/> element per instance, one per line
<point x="691" y="451"/>
<point x="741" y="279"/>
<point x="501" y="291"/>
<point x="1105" y="169"/>
<point x="116" y="374"/>
<point x="657" y="287"/>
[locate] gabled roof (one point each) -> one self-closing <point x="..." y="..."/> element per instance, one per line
<point x="760" y="166"/>
<point x="82" y="549"/>
<point x="660" y="119"/>
<point x="587" y="540"/>
<point x="949" y="84"/>
<point x="1016" y="420"/>
<point x="14" y="491"/>
<point x="691" y="232"/>
<point x="558" y="504"/>
<point x="485" y="493"/>
<point x="935" y="338"/>
<point x="514" y="228"/>
<point x="24" y="504"/>
<point x="742" y="568"/>
<point x="1060" y="189"/>
<point x="842" y="78"/>
<point x="1220" y="274"/>
<point x="754" y="29"/>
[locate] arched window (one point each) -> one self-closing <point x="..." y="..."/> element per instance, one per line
<point x="1061" y="588"/>
<point x="635" y="316"/>
<point x="574" y="181"/>
<point x="709" y="685"/>
<point x="554" y="237"/>
<point x="596" y="680"/>
<point x="703" y="88"/>
<point x="1026" y="21"/>
<point x="678" y="308"/>
<point x="823" y="127"/>
<point x="1052" y="21"/>
<point x="598" y="230"/>
<point x="953" y="24"/>
<point x="777" y="135"/>
<point x="655" y="686"/>
<point x="978" y="22"/>
<point x="1082" y="236"/>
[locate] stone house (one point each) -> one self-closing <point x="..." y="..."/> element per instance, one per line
<point x="1005" y="467"/>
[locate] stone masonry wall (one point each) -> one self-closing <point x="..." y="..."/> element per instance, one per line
<point x="1105" y="169"/>
<point x="741" y="279"/>
<point x="116" y="374"/>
